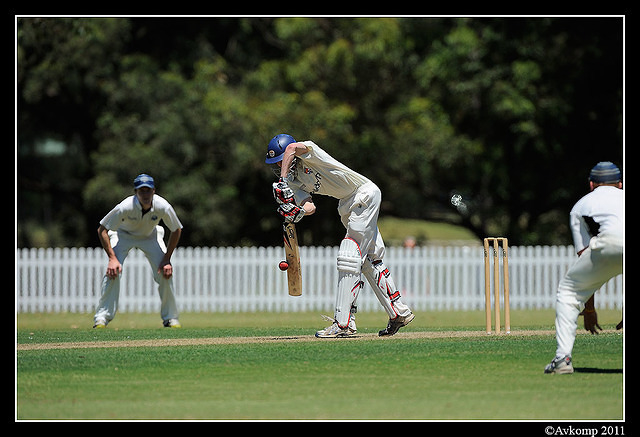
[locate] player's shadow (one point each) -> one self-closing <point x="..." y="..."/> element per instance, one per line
<point x="595" y="370"/>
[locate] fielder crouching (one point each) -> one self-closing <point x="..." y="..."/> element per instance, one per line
<point x="306" y="169"/>
<point x="135" y="224"/>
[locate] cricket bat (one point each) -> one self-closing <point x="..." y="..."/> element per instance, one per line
<point x="292" y="255"/>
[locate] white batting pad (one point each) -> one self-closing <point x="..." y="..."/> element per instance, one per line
<point x="385" y="289"/>
<point x="349" y="283"/>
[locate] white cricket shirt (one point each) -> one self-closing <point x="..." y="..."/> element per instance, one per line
<point x="127" y="217"/>
<point x="318" y="172"/>
<point x="599" y="212"/>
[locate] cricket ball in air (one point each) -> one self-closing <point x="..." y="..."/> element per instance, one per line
<point x="283" y="265"/>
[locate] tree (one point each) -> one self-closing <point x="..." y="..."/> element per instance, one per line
<point x="61" y="66"/>
<point x="511" y="113"/>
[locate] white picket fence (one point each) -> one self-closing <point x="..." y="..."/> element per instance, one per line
<point x="247" y="279"/>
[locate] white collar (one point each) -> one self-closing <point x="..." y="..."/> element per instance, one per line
<point x="138" y="205"/>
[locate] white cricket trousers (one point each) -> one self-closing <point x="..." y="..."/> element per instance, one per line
<point x="359" y="215"/>
<point x="599" y="262"/>
<point x="154" y="249"/>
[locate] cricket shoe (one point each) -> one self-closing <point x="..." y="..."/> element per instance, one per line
<point x="335" y="331"/>
<point x="560" y="365"/>
<point x="395" y="324"/>
<point x="100" y="324"/>
<point x="171" y="323"/>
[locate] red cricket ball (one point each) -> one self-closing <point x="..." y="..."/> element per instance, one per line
<point x="283" y="265"/>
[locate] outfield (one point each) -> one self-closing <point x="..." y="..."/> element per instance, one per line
<point x="269" y="366"/>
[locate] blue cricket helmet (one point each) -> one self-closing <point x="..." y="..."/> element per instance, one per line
<point x="276" y="148"/>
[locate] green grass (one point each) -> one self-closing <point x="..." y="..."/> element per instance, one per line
<point x="471" y="378"/>
<point x="396" y="230"/>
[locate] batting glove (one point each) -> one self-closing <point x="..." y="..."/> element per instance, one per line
<point x="291" y="212"/>
<point x="282" y="192"/>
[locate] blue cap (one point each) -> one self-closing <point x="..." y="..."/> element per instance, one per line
<point x="277" y="145"/>
<point x="143" y="180"/>
<point x="605" y="173"/>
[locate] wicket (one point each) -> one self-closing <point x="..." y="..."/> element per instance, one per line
<point x="496" y="281"/>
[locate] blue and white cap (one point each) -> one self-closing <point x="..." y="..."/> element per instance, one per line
<point x="605" y="173"/>
<point x="143" y="180"/>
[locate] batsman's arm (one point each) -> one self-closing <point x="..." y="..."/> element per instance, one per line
<point x="292" y="150"/>
<point x="308" y="206"/>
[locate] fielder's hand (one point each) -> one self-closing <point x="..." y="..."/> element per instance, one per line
<point x="591" y="321"/>
<point x="114" y="268"/>
<point x="291" y="212"/>
<point x="282" y="193"/>
<point x="165" y="269"/>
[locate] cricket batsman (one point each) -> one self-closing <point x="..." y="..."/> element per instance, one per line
<point x="305" y="169"/>
<point x="597" y="226"/>
<point x="135" y="223"/>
